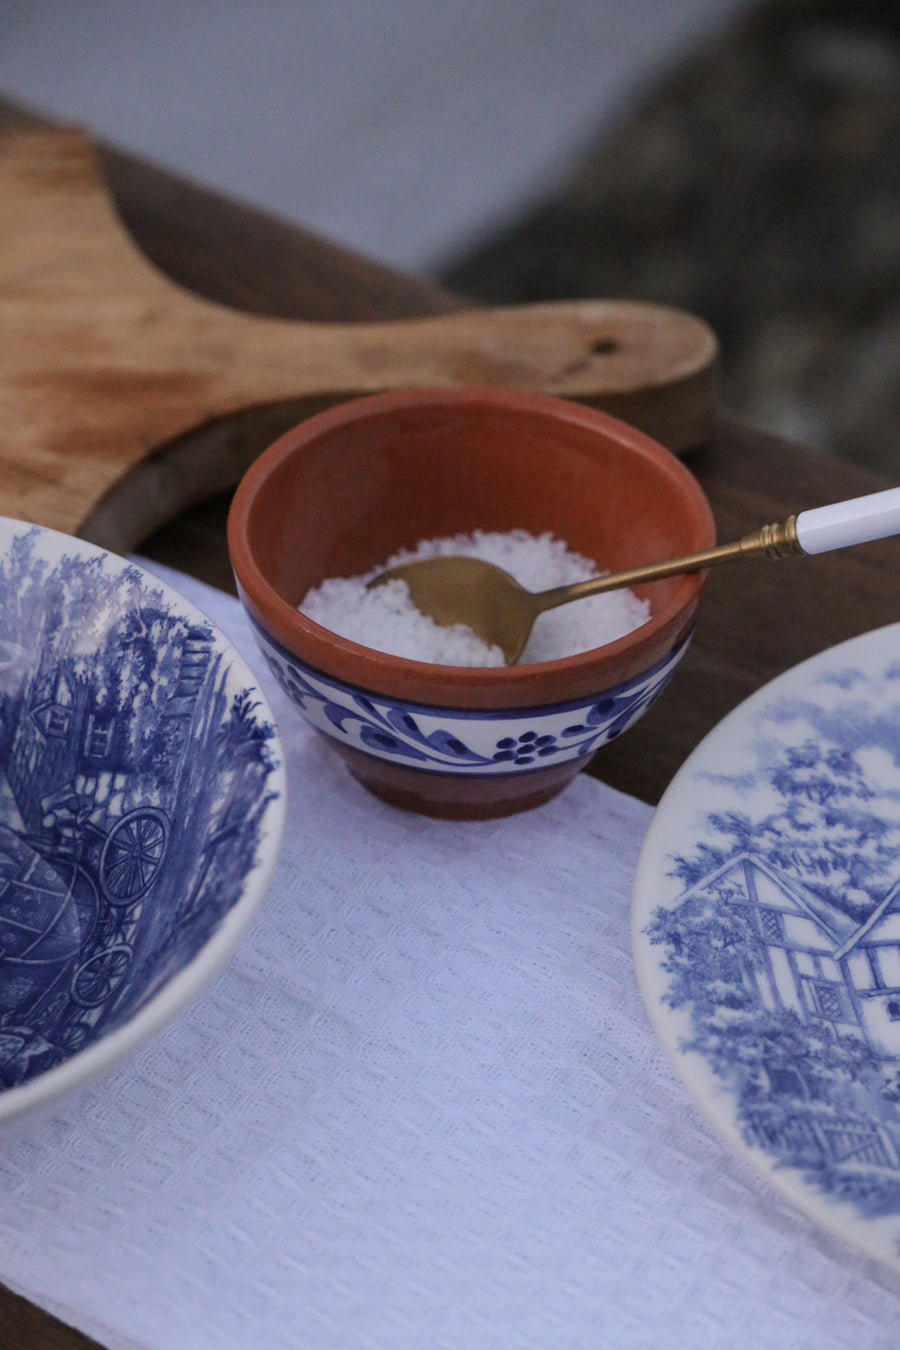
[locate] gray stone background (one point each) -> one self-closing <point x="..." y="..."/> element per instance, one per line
<point x="759" y="186"/>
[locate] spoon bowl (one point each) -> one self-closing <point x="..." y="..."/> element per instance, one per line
<point x="464" y="590"/>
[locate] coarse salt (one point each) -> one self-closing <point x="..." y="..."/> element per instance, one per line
<point x="386" y="620"/>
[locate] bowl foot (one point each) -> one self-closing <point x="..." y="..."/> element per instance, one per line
<point x="453" y="796"/>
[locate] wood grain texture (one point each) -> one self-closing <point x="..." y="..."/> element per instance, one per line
<point x="25" y="1327"/>
<point x="251" y="261"/>
<point x="234" y="255"/>
<point x="105" y="362"/>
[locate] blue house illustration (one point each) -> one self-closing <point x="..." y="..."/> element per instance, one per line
<point x="797" y="1007"/>
<point x="817" y="962"/>
<point x="72" y="742"/>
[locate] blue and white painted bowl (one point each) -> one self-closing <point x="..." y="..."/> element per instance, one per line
<point x="347" y="488"/>
<point x="502" y="748"/>
<point x="141" y="808"/>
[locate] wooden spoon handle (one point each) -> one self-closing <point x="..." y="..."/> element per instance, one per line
<point x="117" y="386"/>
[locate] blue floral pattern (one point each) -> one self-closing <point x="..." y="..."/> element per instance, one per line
<point x="777" y="954"/>
<point x="451" y="740"/>
<point x="135" y="781"/>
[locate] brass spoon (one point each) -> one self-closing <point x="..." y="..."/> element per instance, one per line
<point x="501" y="612"/>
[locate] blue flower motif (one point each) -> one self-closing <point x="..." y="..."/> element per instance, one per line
<point x="525" y="749"/>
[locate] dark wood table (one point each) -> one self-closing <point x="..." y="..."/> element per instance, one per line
<point x="758" y="619"/>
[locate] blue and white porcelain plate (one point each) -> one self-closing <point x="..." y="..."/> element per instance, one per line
<point x="766" y="924"/>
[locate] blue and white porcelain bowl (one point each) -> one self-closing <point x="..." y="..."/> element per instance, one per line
<point x="141" y="808"/>
<point x="340" y="493"/>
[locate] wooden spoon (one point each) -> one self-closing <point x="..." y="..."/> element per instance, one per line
<point x="501" y="613"/>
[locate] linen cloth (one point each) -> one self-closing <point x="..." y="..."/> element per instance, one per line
<point x="421" y="1107"/>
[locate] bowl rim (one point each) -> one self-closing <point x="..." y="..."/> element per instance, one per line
<point x="87" y="1064"/>
<point x="459" y="686"/>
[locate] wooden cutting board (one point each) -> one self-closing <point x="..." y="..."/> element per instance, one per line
<point x="124" y="399"/>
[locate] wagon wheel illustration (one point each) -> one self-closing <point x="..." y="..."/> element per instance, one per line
<point x="133" y="854"/>
<point x="113" y="928"/>
<point x="100" y="976"/>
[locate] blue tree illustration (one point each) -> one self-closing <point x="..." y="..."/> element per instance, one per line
<point x="829" y="829"/>
<point x="796" y="1085"/>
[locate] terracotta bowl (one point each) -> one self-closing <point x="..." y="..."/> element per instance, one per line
<point x="338" y="494"/>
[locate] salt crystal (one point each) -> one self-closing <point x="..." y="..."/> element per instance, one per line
<point x="386" y="620"/>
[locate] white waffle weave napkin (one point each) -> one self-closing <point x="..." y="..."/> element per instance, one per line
<point x="421" y="1109"/>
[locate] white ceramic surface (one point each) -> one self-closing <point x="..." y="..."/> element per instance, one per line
<point x="766" y="928"/>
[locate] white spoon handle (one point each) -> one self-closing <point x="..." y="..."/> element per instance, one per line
<point x="853" y="522"/>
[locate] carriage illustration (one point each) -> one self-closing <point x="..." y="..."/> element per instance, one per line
<point x="96" y="797"/>
<point x="71" y="899"/>
<point x="107" y="870"/>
